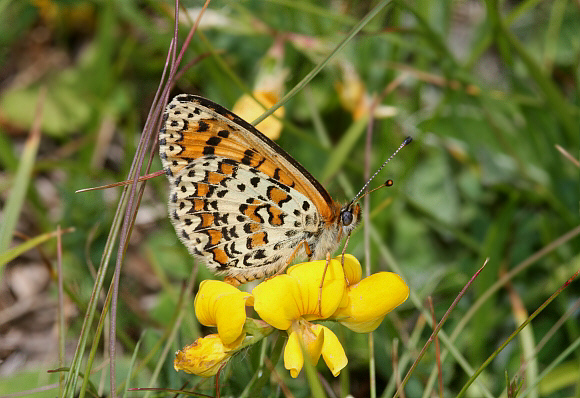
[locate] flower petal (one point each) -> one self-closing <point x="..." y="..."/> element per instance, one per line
<point x="332" y="351"/>
<point x="293" y="357"/>
<point x="309" y="276"/>
<point x="313" y="342"/>
<point x="302" y="336"/>
<point x="352" y="268"/>
<point x="205" y="356"/>
<point x="249" y="109"/>
<point x="220" y="304"/>
<point x="275" y="301"/>
<point x="370" y="300"/>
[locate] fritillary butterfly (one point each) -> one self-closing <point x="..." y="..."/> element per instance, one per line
<point x="240" y="201"/>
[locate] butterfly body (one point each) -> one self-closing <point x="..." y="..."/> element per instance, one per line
<point x="240" y="201"/>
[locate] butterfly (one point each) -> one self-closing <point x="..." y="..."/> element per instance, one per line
<point x="238" y="200"/>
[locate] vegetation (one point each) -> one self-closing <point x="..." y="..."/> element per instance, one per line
<point x="489" y="91"/>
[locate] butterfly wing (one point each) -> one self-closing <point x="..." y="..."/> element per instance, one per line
<point x="237" y="198"/>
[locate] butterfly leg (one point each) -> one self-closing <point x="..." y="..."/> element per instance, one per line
<point x="232" y="280"/>
<point x="294" y="253"/>
<point x="322" y="283"/>
<point x="342" y="258"/>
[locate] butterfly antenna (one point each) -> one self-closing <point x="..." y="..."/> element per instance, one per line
<point x="407" y="141"/>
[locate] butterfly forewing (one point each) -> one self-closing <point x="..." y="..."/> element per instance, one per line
<point x="236" y="199"/>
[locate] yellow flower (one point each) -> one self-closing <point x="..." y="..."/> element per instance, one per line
<point x="206" y="355"/>
<point x="220" y="304"/>
<point x="288" y="302"/>
<point x="249" y="109"/>
<point x="368" y="301"/>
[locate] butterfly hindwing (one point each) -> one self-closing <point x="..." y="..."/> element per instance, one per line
<point x="238" y="218"/>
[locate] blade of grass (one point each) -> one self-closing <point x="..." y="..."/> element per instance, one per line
<point x="516" y="332"/>
<point x="370" y="15"/>
<point x="11" y="210"/>
<point x="60" y="309"/>
<point x="554" y="97"/>
<point x="316" y="389"/>
<point x="11" y="254"/>
<point x="557" y="12"/>
<point x="496" y="286"/>
<point x="181" y="306"/>
<point x="388" y="258"/>
<point x="411" y="350"/>
<point x="70" y="384"/>
<point x="396" y="372"/>
<point x="261" y="376"/>
<point x="549" y="334"/>
<point x="526" y="338"/>
<point x="437" y="352"/>
<point x="438" y="328"/>
<point x="132" y="364"/>
<point x="560" y="375"/>
<point x="91" y="309"/>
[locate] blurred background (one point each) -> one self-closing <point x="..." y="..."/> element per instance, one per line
<point x="488" y="90"/>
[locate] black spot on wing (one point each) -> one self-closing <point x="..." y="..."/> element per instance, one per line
<point x="260" y="254"/>
<point x="213" y="141"/>
<point x="202" y="126"/>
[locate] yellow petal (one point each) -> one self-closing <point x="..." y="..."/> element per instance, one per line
<point x="220" y="304"/>
<point x="313" y="342"/>
<point x="352" y="268"/>
<point x="370" y="300"/>
<point x="293" y="358"/>
<point x="274" y="301"/>
<point x="332" y="351"/>
<point x="302" y="337"/>
<point x="309" y="276"/>
<point x="205" y="356"/>
<point x="249" y="109"/>
<point x="286" y="298"/>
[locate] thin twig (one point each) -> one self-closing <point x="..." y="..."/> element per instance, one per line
<point x="122" y="183"/>
<point x="60" y="309"/>
<point x="568" y="156"/>
<point x="515" y="333"/>
<point x="548" y="336"/>
<point x="437" y="351"/>
<point x="573" y="233"/>
<point x="439" y="326"/>
<point x="396" y="365"/>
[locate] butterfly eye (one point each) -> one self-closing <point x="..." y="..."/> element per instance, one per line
<point x="346" y="217"/>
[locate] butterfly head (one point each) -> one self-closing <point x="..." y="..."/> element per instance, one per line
<point x="349" y="217"/>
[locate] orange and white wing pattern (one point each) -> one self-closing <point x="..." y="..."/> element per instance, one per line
<point x="236" y="198"/>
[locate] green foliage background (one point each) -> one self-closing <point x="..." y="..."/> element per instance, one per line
<point x="490" y="89"/>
